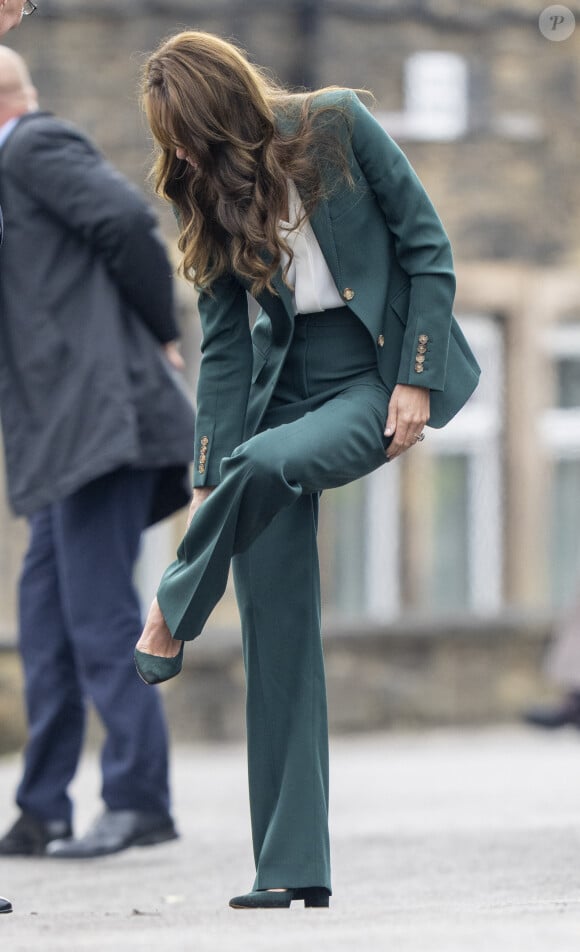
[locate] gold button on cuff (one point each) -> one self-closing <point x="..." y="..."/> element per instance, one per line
<point x="423" y="338"/>
<point x="419" y="368"/>
<point x="420" y="359"/>
<point x="421" y="349"/>
<point x="201" y="468"/>
<point x="381" y="340"/>
<point x="348" y="294"/>
<point x="204" y="441"/>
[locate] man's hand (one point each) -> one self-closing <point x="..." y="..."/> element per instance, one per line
<point x="10" y="15"/>
<point x="173" y="356"/>
<point x="408" y="414"/>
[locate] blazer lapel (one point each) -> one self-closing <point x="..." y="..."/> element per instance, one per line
<point x="283" y="291"/>
<point x="321" y="226"/>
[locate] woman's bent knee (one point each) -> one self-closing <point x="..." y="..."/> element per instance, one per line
<point x="252" y="462"/>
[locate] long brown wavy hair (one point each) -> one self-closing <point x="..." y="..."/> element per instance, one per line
<point x="201" y="94"/>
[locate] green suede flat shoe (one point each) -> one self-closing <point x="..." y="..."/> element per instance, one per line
<point x="313" y="896"/>
<point x="153" y="669"/>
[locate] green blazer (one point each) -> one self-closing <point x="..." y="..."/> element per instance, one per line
<point x="390" y="258"/>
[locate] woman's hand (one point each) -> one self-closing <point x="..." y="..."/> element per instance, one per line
<point x="200" y="494"/>
<point x="408" y="414"/>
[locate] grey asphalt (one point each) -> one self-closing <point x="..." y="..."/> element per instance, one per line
<point x="459" y="841"/>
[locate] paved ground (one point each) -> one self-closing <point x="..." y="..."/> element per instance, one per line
<point x="450" y="841"/>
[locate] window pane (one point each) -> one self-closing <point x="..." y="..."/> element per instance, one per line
<point x="565" y="541"/>
<point x="342" y="547"/>
<point x="568" y="382"/>
<point x="446" y="577"/>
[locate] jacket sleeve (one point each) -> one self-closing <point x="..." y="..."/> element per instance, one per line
<point x="421" y="244"/>
<point x="70" y="179"/>
<point x="224" y="377"/>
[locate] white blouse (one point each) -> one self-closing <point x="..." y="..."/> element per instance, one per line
<point x="313" y="285"/>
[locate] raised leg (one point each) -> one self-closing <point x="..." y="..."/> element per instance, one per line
<point x="330" y="446"/>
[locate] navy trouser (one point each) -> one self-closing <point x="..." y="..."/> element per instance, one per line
<point x="79" y="621"/>
<point x="323" y="428"/>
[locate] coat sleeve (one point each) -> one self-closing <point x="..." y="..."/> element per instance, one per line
<point x="421" y="244"/>
<point x="71" y="180"/>
<point x="224" y="377"/>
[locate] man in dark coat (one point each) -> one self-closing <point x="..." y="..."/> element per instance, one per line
<point x="11" y="13"/>
<point x="98" y="434"/>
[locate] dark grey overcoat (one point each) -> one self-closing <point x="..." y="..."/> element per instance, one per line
<point x="86" y="303"/>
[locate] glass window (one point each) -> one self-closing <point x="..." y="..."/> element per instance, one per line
<point x="560" y="435"/>
<point x="568" y="382"/>
<point x="446" y="580"/>
<point x="342" y="548"/>
<point x="436" y="94"/>
<point x="565" y="530"/>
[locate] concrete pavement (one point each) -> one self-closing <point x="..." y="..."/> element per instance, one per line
<point x="446" y="840"/>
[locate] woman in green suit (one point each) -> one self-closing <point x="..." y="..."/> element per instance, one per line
<point x="306" y="203"/>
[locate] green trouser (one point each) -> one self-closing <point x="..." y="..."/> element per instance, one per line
<point x="323" y="428"/>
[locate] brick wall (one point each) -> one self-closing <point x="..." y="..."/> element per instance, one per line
<point x="501" y="196"/>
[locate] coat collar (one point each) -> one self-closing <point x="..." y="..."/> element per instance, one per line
<point x="321" y="223"/>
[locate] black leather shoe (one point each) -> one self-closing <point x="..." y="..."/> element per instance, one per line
<point x="30" y="836"/>
<point x="114" y="831"/>
<point x="567" y="712"/>
<point x="5" y="905"/>
<point x="313" y="896"/>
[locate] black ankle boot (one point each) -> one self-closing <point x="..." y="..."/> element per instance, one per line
<point x="313" y="896"/>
